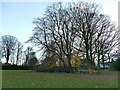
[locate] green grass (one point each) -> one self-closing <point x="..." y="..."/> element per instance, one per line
<point x="31" y="79"/>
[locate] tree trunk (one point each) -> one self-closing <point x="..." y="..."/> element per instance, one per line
<point x="98" y="63"/>
<point x="63" y="63"/>
<point x="103" y="61"/>
<point x="8" y="54"/>
<point x="17" y="59"/>
<point x="69" y="61"/>
<point x="87" y="56"/>
<point x="91" y="54"/>
<point x="109" y="57"/>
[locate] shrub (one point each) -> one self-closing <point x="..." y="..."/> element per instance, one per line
<point x="115" y="65"/>
<point x="83" y="71"/>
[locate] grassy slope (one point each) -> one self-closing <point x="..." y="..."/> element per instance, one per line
<point x="30" y="79"/>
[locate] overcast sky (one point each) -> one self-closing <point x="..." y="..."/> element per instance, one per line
<point x="17" y="17"/>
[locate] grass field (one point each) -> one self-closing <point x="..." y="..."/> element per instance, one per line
<point x="31" y="79"/>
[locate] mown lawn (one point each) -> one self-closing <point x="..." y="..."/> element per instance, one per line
<point x="31" y="79"/>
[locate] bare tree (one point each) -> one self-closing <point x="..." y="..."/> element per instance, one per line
<point x="8" y="46"/>
<point x="19" y="48"/>
<point x="58" y="28"/>
<point x="96" y="31"/>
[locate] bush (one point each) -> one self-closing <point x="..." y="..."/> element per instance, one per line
<point x="98" y="72"/>
<point x="83" y="71"/>
<point x="115" y="65"/>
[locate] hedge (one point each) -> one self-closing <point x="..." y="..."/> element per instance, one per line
<point x="54" y="69"/>
<point x="14" y="67"/>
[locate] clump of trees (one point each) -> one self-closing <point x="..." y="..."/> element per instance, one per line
<point x="75" y="29"/>
<point x="12" y="50"/>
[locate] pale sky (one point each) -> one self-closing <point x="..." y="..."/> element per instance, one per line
<point x="17" y="16"/>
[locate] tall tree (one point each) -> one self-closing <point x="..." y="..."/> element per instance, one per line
<point x="19" y="48"/>
<point x="8" y="46"/>
<point x="57" y="27"/>
<point x="95" y="30"/>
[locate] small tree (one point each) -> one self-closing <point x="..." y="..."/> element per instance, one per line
<point x="32" y="62"/>
<point x="27" y="54"/>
